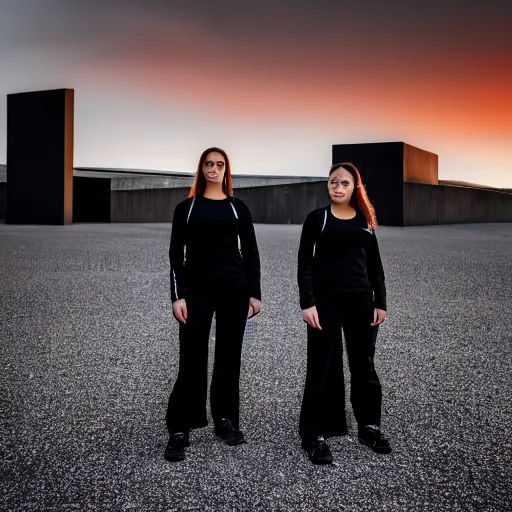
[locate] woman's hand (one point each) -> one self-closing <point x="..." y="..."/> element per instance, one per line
<point x="179" y="310"/>
<point x="310" y="316"/>
<point x="254" y="307"/>
<point x="380" y="316"/>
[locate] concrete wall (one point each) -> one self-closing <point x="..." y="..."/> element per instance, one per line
<point x="276" y="204"/>
<point x="289" y="204"/>
<point x="148" y="182"/>
<point x="150" y="205"/>
<point x="284" y="204"/>
<point x="439" y="204"/>
<point x="279" y="204"/>
<point x="139" y="183"/>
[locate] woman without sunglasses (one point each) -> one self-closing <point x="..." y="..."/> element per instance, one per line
<point x="341" y="285"/>
<point x="215" y="268"/>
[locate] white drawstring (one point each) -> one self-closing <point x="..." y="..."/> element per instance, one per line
<point x="321" y="231"/>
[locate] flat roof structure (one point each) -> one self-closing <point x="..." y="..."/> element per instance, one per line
<point x="126" y="179"/>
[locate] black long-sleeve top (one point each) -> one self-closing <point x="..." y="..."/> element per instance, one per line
<point x="342" y="257"/>
<point x="213" y="247"/>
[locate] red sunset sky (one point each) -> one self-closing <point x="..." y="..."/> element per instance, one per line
<point x="275" y="84"/>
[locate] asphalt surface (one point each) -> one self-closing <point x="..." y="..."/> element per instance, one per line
<point x="89" y="354"/>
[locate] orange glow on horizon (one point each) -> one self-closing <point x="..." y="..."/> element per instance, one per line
<point x="440" y="97"/>
<point x="480" y="110"/>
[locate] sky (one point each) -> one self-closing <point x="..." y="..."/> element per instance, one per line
<point x="275" y="83"/>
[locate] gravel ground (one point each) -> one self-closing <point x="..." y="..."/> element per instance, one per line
<point x="89" y="357"/>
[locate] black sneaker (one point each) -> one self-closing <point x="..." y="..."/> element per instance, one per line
<point x="372" y="436"/>
<point x="230" y="434"/>
<point x="318" y="451"/>
<point x="175" y="450"/>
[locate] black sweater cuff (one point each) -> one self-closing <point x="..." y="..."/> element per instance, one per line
<point x="380" y="303"/>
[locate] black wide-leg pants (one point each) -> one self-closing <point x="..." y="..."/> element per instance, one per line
<point x="187" y="403"/>
<point x="323" y="405"/>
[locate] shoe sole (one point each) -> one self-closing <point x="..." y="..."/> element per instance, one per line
<point x="174" y="458"/>
<point x="322" y="461"/>
<point x="383" y="451"/>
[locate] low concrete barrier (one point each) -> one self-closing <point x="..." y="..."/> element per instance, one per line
<point x="277" y="204"/>
<point x="289" y="203"/>
<point x="440" y="204"/>
<point x="283" y="204"/>
<point x="145" y="205"/>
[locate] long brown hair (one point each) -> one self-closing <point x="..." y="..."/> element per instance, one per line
<point x="199" y="186"/>
<point x="359" y="199"/>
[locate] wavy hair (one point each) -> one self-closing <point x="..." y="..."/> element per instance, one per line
<point x="199" y="186"/>
<point x="359" y="199"/>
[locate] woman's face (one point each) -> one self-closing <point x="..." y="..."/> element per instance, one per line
<point x="214" y="166"/>
<point x="341" y="186"/>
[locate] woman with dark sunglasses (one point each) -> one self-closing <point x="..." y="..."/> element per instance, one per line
<point x="341" y="285"/>
<point x="215" y="268"/>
